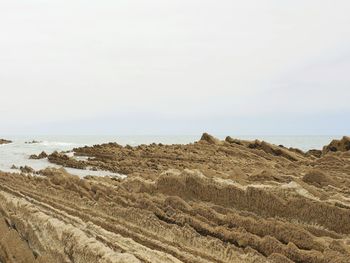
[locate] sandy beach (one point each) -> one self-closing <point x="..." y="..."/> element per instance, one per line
<point x="208" y="201"/>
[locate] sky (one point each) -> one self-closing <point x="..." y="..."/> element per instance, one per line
<point x="132" y="67"/>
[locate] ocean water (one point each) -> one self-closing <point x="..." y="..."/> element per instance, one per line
<point x="18" y="152"/>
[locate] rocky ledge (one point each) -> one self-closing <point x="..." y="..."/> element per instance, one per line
<point x="208" y="201"/>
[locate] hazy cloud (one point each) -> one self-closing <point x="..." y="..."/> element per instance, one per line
<point x="222" y="66"/>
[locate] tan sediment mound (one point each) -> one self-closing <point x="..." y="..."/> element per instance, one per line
<point x="74" y="220"/>
<point x="49" y="171"/>
<point x="342" y="145"/>
<point x="13" y="249"/>
<point x="54" y="236"/>
<point x="209" y="201"/>
<point x="194" y="186"/>
<point x="314" y="152"/>
<point x="229" y="139"/>
<point x="292" y="154"/>
<point x="275" y="150"/>
<point x="266" y="175"/>
<point x="209" y="139"/>
<point x="3" y="141"/>
<point x="318" y="178"/>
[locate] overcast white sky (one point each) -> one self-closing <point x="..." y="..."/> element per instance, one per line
<point x="174" y="67"/>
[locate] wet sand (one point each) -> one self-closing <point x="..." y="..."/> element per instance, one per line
<point x="209" y="201"/>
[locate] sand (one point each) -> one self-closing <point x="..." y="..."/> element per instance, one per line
<point x="209" y="201"/>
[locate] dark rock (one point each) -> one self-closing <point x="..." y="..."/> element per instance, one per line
<point x="3" y="141"/>
<point x="27" y="169"/>
<point x="42" y="155"/>
<point x="33" y="142"/>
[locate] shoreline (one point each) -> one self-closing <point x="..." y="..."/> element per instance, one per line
<point x="207" y="201"/>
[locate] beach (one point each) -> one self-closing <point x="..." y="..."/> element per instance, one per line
<point x="210" y="200"/>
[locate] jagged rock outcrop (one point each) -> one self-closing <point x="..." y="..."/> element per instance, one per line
<point x="275" y="150"/>
<point x="314" y="152"/>
<point x="206" y="137"/>
<point x="42" y="155"/>
<point x="65" y="160"/>
<point x="341" y="145"/>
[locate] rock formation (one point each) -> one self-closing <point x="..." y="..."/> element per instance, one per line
<point x="342" y="145"/>
<point x="42" y="155"/>
<point x="3" y="141"/>
<point x="208" y="201"/>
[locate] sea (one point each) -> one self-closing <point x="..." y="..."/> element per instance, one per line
<point x="17" y="153"/>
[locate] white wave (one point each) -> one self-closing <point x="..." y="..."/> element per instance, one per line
<point x="47" y="143"/>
